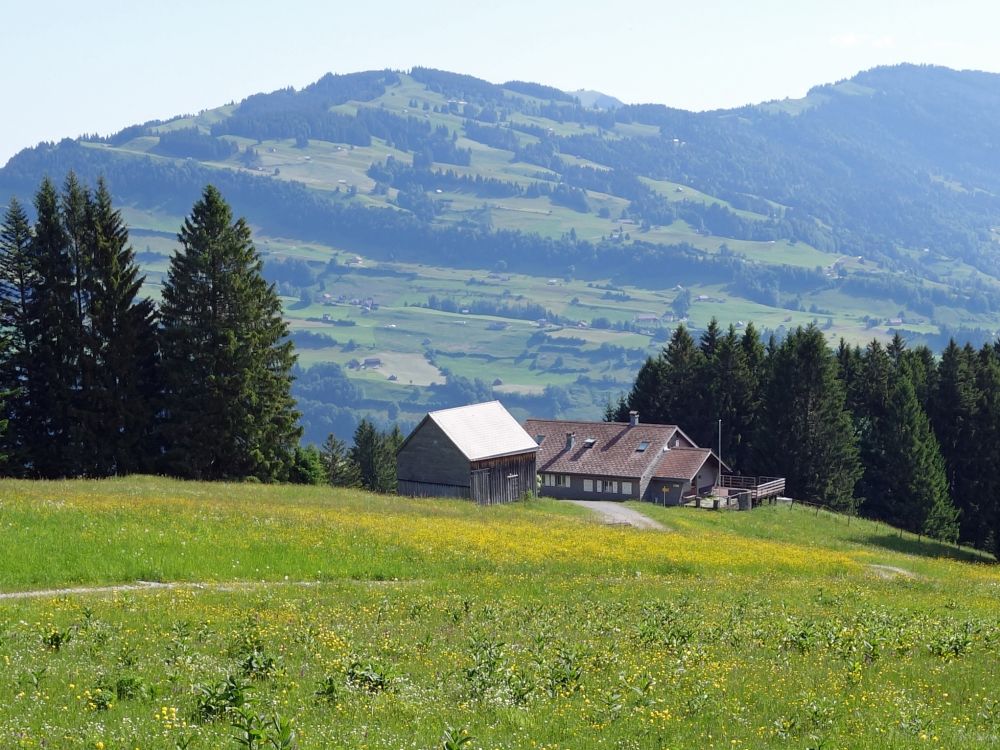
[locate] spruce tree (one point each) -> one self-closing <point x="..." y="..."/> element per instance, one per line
<point x="849" y="369"/>
<point x="807" y="435"/>
<point x="339" y="467"/>
<point x="50" y="412"/>
<point x="914" y="490"/>
<point x="372" y="454"/>
<point x="683" y="396"/>
<point x="306" y="466"/>
<point x="953" y="418"/>
<point x="16" y="274"/>
<point x="647" y="394"/>
<point x="869" y="395"/>
<point x="17" y="281"/>
<point x="980" y="520"/>
<point x="709" y="342"/>
<point x="734" y="400"/>
<point x="76" y="206"/>
<point x="121" y="350"/>
<point x="226" y="357"/>
<point x="668" y="387"/>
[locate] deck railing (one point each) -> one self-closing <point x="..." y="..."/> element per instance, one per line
<point x="759" y="487"/>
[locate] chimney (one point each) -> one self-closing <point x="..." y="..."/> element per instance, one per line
<point x="570" y="440"/>
<point x="633" y="419"/>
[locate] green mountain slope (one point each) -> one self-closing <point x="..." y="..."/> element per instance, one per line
<point x="870" y="205"/>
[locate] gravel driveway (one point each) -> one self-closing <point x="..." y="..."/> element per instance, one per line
<point x="616" y="513"/>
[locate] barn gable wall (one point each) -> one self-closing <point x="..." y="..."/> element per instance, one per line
<point x="429" y="456"/>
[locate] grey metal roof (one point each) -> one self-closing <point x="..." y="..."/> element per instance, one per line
<point x="484" y="430"/>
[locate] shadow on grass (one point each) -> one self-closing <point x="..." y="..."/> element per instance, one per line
<point x="925" y="547"/>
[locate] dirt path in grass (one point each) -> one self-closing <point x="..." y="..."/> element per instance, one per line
<point x="154" y="585"/>
<point x="618" y="514"/>
<point x="891" y="571"/>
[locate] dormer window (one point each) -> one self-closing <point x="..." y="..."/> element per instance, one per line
<point x="641" y="448"/>
<point x="539" y="439"/>
<point x="589" y="442"/>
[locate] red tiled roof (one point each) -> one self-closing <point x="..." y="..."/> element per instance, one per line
<point x="613" y="454"/>
<point x="681" y="463"/>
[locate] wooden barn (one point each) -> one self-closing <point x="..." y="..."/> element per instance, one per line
<point x="478" y="452"/>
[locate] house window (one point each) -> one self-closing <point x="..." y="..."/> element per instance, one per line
<point x="641" y="448"/>
<point x="556" y="480"/>
<point x="626" y="488"/>
<point x="599" y="485"/>
<point x="539" y="439"/>
<point x="611" y="487"/>
<point x="588" y="485"/>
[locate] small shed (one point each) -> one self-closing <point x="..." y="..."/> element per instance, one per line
<point x="477" y="451"/>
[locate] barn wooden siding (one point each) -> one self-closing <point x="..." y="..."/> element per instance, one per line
<point x="430" y="458"/>
<point x="410" y="488"/>
<point x="502" y="480"/>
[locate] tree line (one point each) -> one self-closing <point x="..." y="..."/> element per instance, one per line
<point x="97" y="382"/>
<point x="886" y="431"/>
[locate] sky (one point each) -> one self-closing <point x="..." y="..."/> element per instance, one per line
<point x="70" y="68"/>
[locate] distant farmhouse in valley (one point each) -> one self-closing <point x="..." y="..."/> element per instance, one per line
<point x="480" y="452"/>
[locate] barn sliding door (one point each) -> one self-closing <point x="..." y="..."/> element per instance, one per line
<point x="480" y="486"/>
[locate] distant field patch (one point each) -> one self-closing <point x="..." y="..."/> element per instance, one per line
<point x="409" y="368"/>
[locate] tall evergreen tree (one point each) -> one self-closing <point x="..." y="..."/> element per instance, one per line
<point x="921" y="368"/>
<point x="807" y="434"/>
<point x="868" y="397"/>
<point x="338" y="466"/>
<point x="682" y="401"/>
<point x="372" y="453"/>
<point x="648" y="391"/>
<point x="226" y="358"/>
<point x="849" y="371"/>
<point x="756" y="362"/>
<point x="953" y="418"/>
<point x="911" y="488"/>
<point x="734" y="399"/>
<point x="16" y="274"/>
<point x="710" y="338"/>
<point x="121" y="350"/>
<point x="76" y="206"/>
<point x="980" y="521"/>
<point x="50" y="444"/>
<point x="17" y="282"/>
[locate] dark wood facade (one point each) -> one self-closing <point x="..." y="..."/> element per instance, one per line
<point x="502" y="480"/>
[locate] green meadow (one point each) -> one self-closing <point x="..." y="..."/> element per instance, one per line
<point x="352" y="620"/>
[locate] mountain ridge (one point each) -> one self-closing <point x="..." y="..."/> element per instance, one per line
<point x="485" y="240"/>
<point x="868" y="166"/>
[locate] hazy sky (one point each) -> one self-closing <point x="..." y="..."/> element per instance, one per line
<point x="71" y="67"/>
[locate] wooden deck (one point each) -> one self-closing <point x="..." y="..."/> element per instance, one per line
<point x="760" y="488"/>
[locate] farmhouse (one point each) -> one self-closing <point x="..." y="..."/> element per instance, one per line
<point x="478" y="452"/>
<point x="622" y="461"/>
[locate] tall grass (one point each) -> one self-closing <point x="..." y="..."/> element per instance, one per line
<point x="365" y="621"/>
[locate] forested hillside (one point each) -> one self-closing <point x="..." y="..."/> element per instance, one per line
<point x="868" y="207"/>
